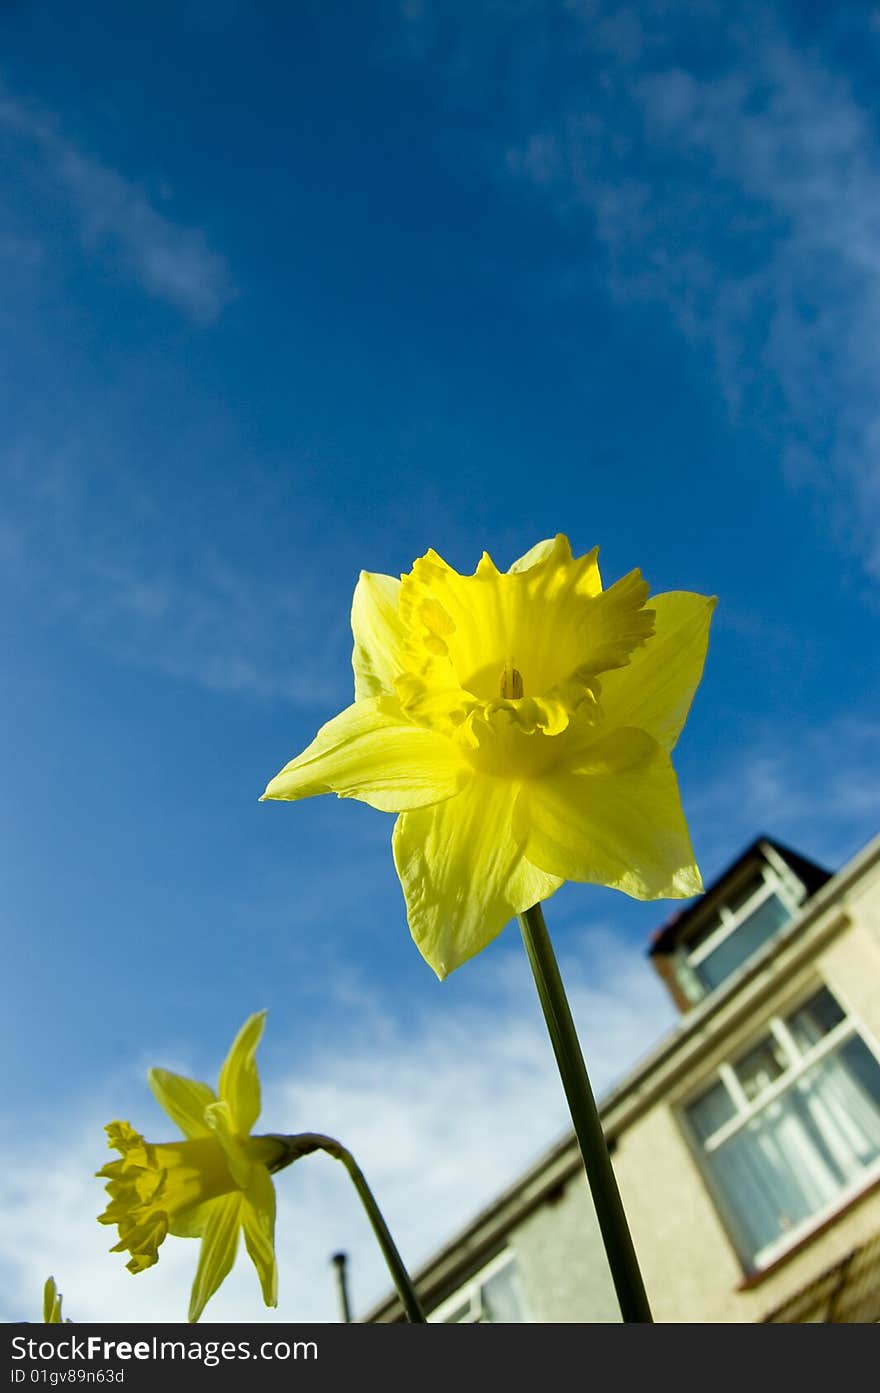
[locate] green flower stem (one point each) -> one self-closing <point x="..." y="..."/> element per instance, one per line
<point x="306" y="1143"/>
<point x="609" y="1208"/>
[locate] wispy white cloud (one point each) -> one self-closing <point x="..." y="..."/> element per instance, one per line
<point x="116" y="219"/>
<point x="740" y="190"/>
<point x="804" y="318"/>
<point x="755" y="220"/>
<point x="440" y="1117"/>
<point x="226" y="629"/>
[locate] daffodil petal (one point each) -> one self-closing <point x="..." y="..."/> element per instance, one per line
<point x="184" y="1100"/>
<point x="51" y="1303"/>
<point x="378" y="634"/>
<point x="239" y="1083"/>
<point x="655" y="691"/>
<point x="258" y="1223"/>
<point x="219" y="1119"/>
<point x="616" y="820"/>
<point x="530" y="885"/>
<point x="370" y="752"/>
<point x="535" y="555"/>
<point x="217" y="1252"/>
<point x="461" y="872"/>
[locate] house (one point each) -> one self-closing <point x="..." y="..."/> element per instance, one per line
<point x="746" y="1144"/>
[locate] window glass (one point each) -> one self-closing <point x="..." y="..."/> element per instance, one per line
<point x="814" y="1019"/>
<point x="711" y="1111"/>
<point x="459" y="1315"/>
<point x="763" y="1063"/>
<point x="493" y="1296"/>
<point x="863" y="1069"/>
<point x="501" y="1298"/>
<point x="742" y="896"/>
<point x="711" y="926"/>
<point x="743" y="941"/>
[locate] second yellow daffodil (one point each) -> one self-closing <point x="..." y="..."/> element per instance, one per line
<point x="213" y="1185"/>
<point x="521" y="724"/>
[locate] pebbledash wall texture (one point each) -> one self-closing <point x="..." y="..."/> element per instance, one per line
<point x="746" y="1145"/>
<point x="562" y="1280"/>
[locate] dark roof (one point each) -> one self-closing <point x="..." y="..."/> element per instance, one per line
<point x="811" y="875"/>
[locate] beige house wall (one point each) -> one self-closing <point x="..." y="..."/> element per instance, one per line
<point x="561" y="1260"/>
<point x="691" y="1270"/>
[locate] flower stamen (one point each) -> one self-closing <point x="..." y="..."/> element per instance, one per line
<point x="511" y="682"/>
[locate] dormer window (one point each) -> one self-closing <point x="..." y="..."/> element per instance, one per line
<point x="702" y="947"/>
<point x="741" y="925"/>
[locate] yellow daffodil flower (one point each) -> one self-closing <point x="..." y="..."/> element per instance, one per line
<point x="521" y="723"/>
<point x="52" y="1304"/>
<point x="210" y="1186"/>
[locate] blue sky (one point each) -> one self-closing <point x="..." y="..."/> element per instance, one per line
<point x="291" y="291"/>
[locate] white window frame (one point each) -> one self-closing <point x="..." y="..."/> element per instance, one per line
<point x="799" y="1062"/>
<point x="785" y="887"/>
<point x="470" y="1292"/>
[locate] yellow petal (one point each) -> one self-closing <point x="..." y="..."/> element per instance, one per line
<point x="258" y="1223"/>
<point x="529" y="885"/>
<point x="232" y="1146"/>
<point x="655" y="691"/>
<point x="462" y="874"/>
<point x="217" y="1252"/>
<point x="535" y="555"/>
<point x="184" y="1100"/>
<point x="51" y="1303"/>
<point x="370" y="752"/>
<point x="239" y="1083"/>
<point x="378" y="635"/>
<point x="616" y="820"/>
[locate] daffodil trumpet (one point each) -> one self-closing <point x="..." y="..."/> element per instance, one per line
<point x="610" y="1213"/>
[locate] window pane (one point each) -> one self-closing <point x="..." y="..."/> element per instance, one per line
<point x="460" y="1315"/>
<point x="815" y="1018"/>
<point x="801" y="1150"/>
<point x="862" y="1065"/>
<point x="711" y="1111"/>
<point x="762" y="1064"/>
<point x="712" y="925"/>
<point x="501" y="1299"/>
<point x="744" y="894"/>
<point x="745" y="939"/>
